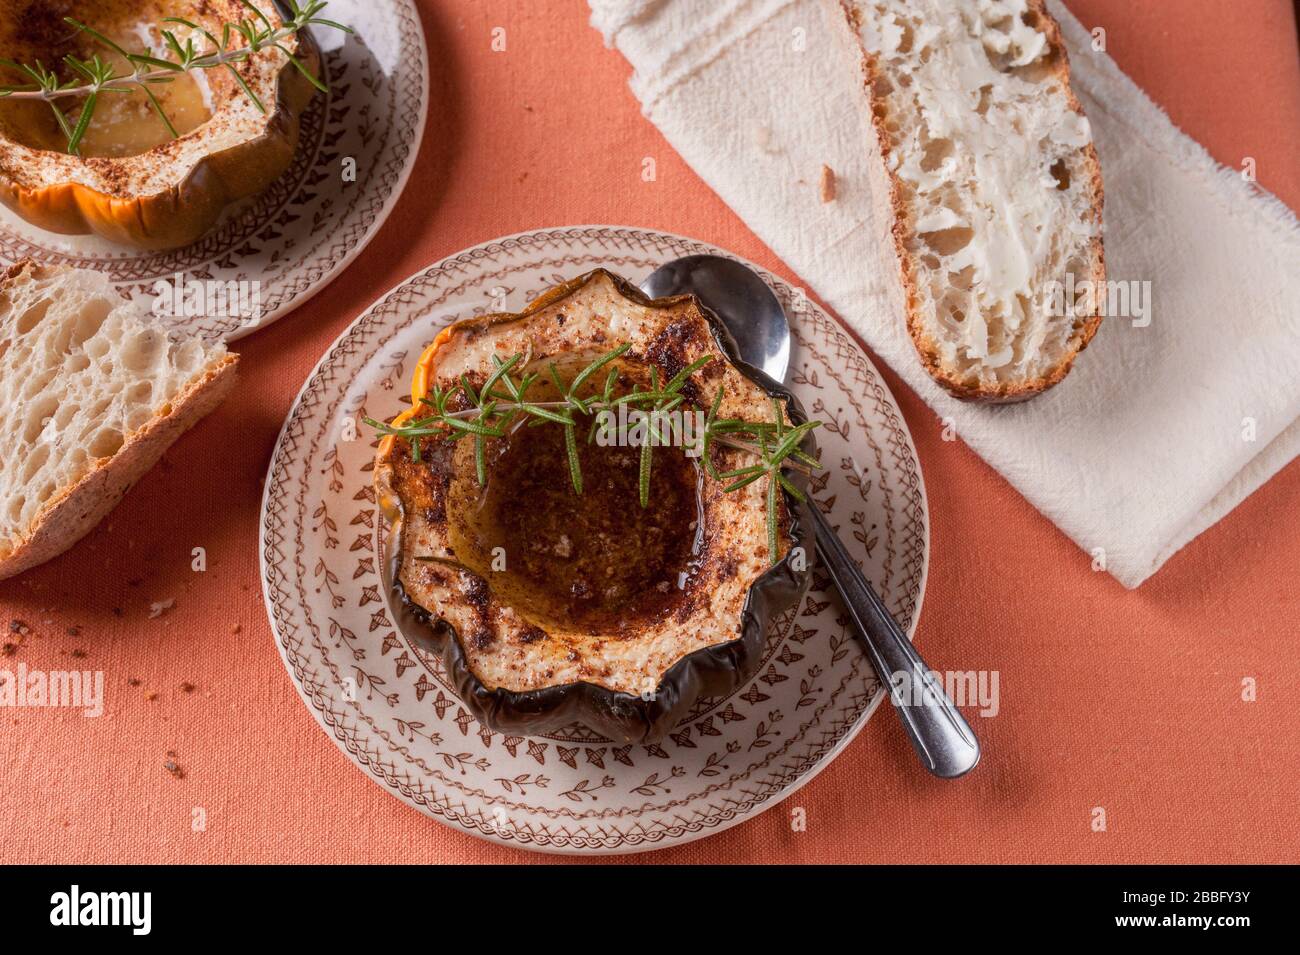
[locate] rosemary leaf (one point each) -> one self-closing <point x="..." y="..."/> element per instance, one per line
<point x="169" y="38"/>
<point x="473" y="427"/>
<point x="744" y="482"/>
<point x="679" y="379"/>
<point x="805" y="458"/>
<point x="708" y="436"/>
<point x="773" y="555"/>
<point x="83" y="123"/>
<point x="671" y="403"/>
<point x="797" y="494"/>
<point x="480" y="459"/>
<point x="330" y="23"/>
<point x="791" y="439"/>
<point x="143" y="59"/>
<point x="547" y="414"/>
<point x="502" y="368"/>
<point x="62" y="121"/>
<point x="709" y="466"/>
<point x="717" y="405"/>
<point x="301" y="67"/>
<point x="741" y="472"/>
<point x="84" y="28"/>
<point x="259" y="14"/>
<point x="248" y="90"/>
<point x="647" y="450"/>
<point x="571" y="447"/>
<point x="157" y="108"/>
<point x="729" y="425"/>
<point x="597" y="365"/>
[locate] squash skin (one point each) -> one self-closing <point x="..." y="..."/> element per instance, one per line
<point x="181" y="214"/>
<point x="710" y="671"/>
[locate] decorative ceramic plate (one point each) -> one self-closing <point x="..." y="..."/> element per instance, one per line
<point x="392" y="709"/>
<point x="311" y="222"/>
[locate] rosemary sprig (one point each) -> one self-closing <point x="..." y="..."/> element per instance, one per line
<point x="93" y="77"/>
<point x="501" y="406"/>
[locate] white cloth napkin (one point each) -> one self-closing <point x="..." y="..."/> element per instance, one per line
<point x="1158" y="431"/>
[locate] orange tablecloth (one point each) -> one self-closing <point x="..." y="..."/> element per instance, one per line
<point x="1127" y="701"/>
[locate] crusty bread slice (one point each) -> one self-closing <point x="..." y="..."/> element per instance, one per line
<point x="990" y="186"/>
<point x="92" y="392"/>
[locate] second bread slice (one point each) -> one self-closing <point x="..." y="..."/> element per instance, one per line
<point x="92" y="392"/>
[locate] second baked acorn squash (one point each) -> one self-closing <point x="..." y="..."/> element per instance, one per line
<point x="549" y="607"/>
<point x="133" y="183"/>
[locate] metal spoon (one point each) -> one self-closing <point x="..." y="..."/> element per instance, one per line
<point x="755" y="318"/>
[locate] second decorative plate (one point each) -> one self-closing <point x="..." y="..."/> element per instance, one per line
<point x="310" y="223"/>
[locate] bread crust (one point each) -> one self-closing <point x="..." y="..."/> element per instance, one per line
<point x="74" y="510"/>
<point x="888" y="189"/>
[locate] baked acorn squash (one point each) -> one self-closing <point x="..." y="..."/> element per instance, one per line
<point x="133" y="182"/>
<point x="549" y="607"/>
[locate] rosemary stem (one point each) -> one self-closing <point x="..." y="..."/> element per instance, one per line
<point x="610" y="406"/>
<point x="208" y="61"/>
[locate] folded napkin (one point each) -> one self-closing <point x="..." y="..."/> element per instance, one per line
<point x="1168" y="420"/>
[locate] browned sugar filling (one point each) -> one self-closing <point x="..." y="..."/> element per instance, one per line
<point x="597" y="563"/>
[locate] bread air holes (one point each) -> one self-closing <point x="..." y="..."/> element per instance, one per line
<point x="140" y="393"/>
<point x="30" y="318"/>
<point x="37" y="416"/>
<point x="34" y="461"/>
<point x="90" y="321"/>
<point x="137" y="418"/>
<point x="106" y="443"/>
<point x="189" y="357"/>
<point x="953" y="305"/>
<point x="934" y="152"/>
<point x="1061" y="173"/>
<point x="904" y="38"/>
<point x="947" y="242"/>
<point x="141" y="352"/>
<point x="962" y="280"/>
<point x="46" y="492"/>
<point x="63" y="417"/>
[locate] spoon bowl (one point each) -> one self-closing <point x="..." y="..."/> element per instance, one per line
<point x="745" y="303"/>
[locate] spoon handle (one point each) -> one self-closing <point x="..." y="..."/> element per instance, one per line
<point x="939" y="733"/>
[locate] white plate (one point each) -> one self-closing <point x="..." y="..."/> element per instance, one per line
<point x="309" y="224"/>
<point x="391" y="709"/>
